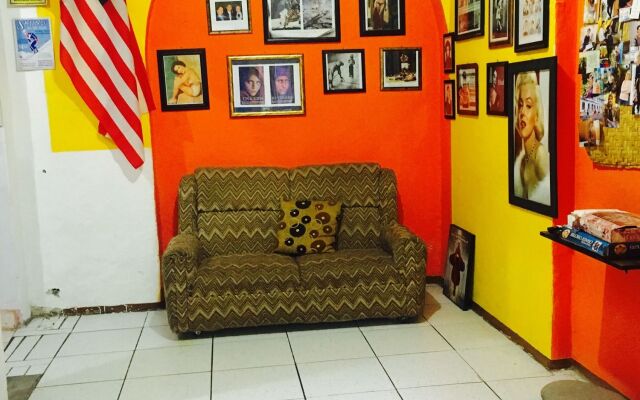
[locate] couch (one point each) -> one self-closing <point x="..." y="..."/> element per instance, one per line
<point x="220" y="271"/>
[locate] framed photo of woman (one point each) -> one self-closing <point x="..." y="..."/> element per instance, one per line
<point x="467" y="77"/>
<point x="469" y="18"/>
<point x="382" y="17"/>
<point x="497" y="88"/>
<point x="500" y="23"/>
<point x="532" y="25"/>
<point x="459" y="266"/>
<point x="450" y="99"/>
<point x="299" y="21"/>
<point x="183" y="79"/>
<point x="532" y="136"/>
<point x="449" y="52"/>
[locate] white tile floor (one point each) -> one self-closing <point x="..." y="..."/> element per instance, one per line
<point x="452" y="355"/>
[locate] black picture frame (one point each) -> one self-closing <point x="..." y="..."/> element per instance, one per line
<point x="194" y="59"/>
<point x="472" y="10"/>
<point x="354" y="60"/>
<point x="459" y="267"/>
<point x="302" y="35"/>
<point x="394" y="26"/>
<point x="500" y="30"/>
<point x="540" y="39"/>
<point x="530" y="81"/>
<point x="497" y="88"/>
<point x="467" y="89"/>
<point x="449" y="39"/>
<point x="450" y="107"/>
<point x="398" y="73"/>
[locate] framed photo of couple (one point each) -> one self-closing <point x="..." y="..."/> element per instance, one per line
<point x="228" y="16"/>
<point x="297" y="21"/>
<point x="266" y="85"/>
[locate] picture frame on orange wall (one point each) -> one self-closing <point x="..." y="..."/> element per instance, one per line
<point x="228" y="16"/>
<point x="401" y="68"/>
<point x="500" y="23"/>
<point x="382" y="17"/>
<point x="301" y="21"/>
<point x="183" y="79"/>
<point x="343" y="71"/>
<point x="532" y="25"/>
<point x="450" y="99"/>
<point x="469" y="18"/>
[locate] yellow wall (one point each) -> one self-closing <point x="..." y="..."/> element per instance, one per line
<point x="66" y="108"/>
<point x="513" y="269"/>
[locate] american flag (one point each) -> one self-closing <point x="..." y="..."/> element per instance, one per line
<point x="99" y="51"/>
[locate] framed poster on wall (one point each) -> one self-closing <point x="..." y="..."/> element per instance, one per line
<point x="401" y="68"/>
<point x="467" y="78"/>
<point x="449" y="52"/>
<point x="532" y="25"/>
<point x="469" y="18"/>
<point x="500" y="23"/>
<point x="382" y="17"/>
<point x="298" y="21"/>
<point x="344" y="71"/>
<point x="228" y="16"/>
<point x="183" y="79"/>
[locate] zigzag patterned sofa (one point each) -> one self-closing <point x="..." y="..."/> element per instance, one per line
<point x="221" y="271"/>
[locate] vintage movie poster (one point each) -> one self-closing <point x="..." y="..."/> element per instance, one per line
<point x="34" y="46"/>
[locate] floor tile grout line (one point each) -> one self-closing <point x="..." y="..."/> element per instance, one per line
<point x="304" y="394"/>
<point x="133" y="354"/>
<point x="7" y="356"/>
<point x="54" y="357"/>
<point x="34" y="346"/>
<point x="380" y="362"/>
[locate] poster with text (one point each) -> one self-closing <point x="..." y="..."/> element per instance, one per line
<point x="33" y="43"/>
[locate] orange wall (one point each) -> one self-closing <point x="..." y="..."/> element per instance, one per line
<point x="399" y="130"/>
<point x="604" y="302"/>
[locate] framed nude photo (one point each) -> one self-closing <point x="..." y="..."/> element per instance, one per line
<point x="266" y="85"/>
<point x="401" y="68"/>
<point x="449" y="99"/>
<point x="469" y="18"/>
<point x="382" y="17"/>
<point x="344" y="71"/>
<point x="532" y="136"/>
<point x="183" y="79"/>
<point x="228" y="16"/>
<point x="459" y="266"/>
<point x="467" y="78"/>
<point x="497" y="88"/>
<point x="532" y="25"/>
<point x="500" y="23"/>
<point x="449" y="52"/>
<point x="298" y="21"/>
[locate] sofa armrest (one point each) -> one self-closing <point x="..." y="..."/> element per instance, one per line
<point x="410" y="257"/>
<point x="179" y="263"/>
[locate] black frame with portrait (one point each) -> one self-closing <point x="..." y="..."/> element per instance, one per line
<point x="452" y="39"/>
<point x="543" y="64"/>
<point x="164" y="104"/>
<point x="467" y="241"/>
<point x="268" y="39"/>
<point x="400" y="30"/>
<point x="468" y="35"/>
<point x="325" y="74"/>
<point x="493" y="43"/>
<point x="490" y="67"/>
<point x="541" y="44"/>
<point x="451" y="82"/>
<point x="477" y="93"/>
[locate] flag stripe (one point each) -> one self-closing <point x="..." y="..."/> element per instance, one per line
<point x="118" y="39"/>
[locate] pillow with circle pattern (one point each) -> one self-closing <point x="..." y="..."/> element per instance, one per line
<point x="308" y="226"/>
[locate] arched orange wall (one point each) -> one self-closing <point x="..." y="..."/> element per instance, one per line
<point x="400" y="130"/>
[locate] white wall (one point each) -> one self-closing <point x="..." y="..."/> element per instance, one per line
<point x="83" y="222"/>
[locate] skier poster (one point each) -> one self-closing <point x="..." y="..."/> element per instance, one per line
<point x="34" y="46"/>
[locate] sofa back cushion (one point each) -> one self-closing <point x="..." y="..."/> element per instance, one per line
<point x="236" y="232"/>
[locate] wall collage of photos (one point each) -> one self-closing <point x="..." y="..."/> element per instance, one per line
<point x="262" y="85"/>
<point x="609" y="67"/>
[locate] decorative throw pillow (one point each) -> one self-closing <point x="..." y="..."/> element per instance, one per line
<point x="308" y="226"/>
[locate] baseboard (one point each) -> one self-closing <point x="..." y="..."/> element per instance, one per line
<point x="438" y="280"/>
<point x="112" y="309"/>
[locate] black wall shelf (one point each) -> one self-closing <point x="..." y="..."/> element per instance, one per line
<point x="623" y="264"/>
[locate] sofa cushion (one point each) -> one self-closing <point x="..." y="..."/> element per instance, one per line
<point x="308" y="226"/>
<point x="347" y="268"/>
<point x="247" y="273"/>
<point x="360" y="228"/>
<point x="234" y="232"/>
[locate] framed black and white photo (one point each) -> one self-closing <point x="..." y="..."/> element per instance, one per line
<point x="266" y="85"/>
<point x="467" y="78"/>
<point x="449" y="52"/>
<point x="401" y="68"/>
<point x="183" y="79"/>
<point x="459" y="266"/>
<point x="532" y="25"/>
<point x="382" y="17"/>
<point x="297" y="21"/>
<point x="469" y="18"/>
<point x="532" y="136"/>
<point x="228" y="16"/>
<point x="344" y="71"/>
<point x="450" y="99"/>
<point x="500" y="23"/>
<point x="497" y="88"/>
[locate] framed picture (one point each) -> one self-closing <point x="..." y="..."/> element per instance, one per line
<point x="401" y="68"/>
<point x="344" y="71"/>
<point x="532" y="24"/>
<point x="497" y="88"/>
<point x="228" y="16"/>
<point x="459" y="265"/>
<point x="449" y="52"/>
<point x="33" y="44"/>
<point x="382" y="17"/>
<point x="469" y="18"/>
<point x="266" y="85"/>
<point x="183" y="79"/>
<point x="532" y="136"/>
<point x="467" y="77"/>
<point x="296" y="21"/>
<point x="28" y="3"/>
<point x="500" y="23"/>
<point x="449" y="99"/>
